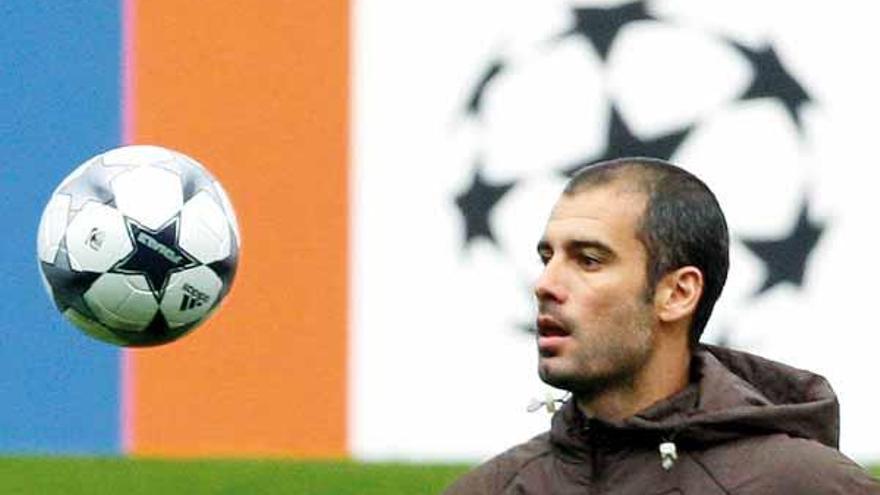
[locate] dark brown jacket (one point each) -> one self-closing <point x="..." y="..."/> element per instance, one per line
<point x="746" y="425"/>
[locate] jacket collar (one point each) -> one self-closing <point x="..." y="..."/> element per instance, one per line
<point x="732" y="394"/>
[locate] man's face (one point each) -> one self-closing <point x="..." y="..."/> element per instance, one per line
<point x="595" y="323"/>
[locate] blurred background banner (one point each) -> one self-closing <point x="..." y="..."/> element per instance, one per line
<point x="259" y="94"/>
<point x="467" y="118"/>
<point x="392" y="164"/>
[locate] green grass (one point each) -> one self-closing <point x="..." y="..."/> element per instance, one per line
<point x="99" y="476"/>
<point x="121" y="476"/>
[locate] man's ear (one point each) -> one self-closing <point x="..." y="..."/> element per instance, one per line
<point x="678" y="293"/>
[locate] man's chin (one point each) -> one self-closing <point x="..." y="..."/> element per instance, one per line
<point x="552" y="372"/>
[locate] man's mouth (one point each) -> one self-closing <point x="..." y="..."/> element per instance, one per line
<point x="550" y="326"/>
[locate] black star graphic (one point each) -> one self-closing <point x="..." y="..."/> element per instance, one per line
<point x="622" y="142"/>
<point x="602" y="25"/>
<point x="67" y="284"/>
<point x="93" y="184"/>
<point x="772" y="80"/>
<point x="476" y="205"/>
<point x="786" y="258"/>
<point x="475" y="102"/>
<point x="156" y="254"/>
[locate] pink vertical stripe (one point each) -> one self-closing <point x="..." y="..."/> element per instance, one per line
<point x="126" y="379"/>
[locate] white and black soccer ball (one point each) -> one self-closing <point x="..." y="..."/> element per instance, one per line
<point x="138" y="245"/>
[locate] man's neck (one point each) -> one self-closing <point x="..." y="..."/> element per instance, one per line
<point x="664" y="375"/>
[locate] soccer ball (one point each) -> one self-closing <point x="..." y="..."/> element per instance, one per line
<point x="138" y="246"/>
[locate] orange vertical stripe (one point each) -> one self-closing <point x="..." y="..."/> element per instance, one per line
<point x="258" y="93"/>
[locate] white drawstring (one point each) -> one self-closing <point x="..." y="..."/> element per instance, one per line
<point x="668" y="455"/>
<point x="549" y="403"/>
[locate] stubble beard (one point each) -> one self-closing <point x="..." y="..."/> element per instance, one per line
<point x="612" y="362"/>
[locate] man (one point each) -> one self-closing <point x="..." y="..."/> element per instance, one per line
<point x="635" y="255"/>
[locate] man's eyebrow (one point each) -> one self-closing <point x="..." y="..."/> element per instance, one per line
<point x="579" y="244"/>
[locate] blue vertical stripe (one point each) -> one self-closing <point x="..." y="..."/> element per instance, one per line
<point x="59" y="104"/>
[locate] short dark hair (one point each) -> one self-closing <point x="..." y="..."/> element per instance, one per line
<point x="682" y="224"/>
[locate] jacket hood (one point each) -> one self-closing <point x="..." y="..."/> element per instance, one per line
<point x="733" y="394"/>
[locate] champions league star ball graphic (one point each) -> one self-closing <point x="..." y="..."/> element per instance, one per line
<point x="138" y="246"/>
<point x="604" y="81"/>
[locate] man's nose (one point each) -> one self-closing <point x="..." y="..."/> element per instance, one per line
<point x="549" y="286"/>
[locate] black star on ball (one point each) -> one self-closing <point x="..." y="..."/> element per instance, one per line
<point x="786" y="258"/>
<point x="156" y="254"/>
<point x="67" y="284"/>
<point x="772" y="80"/>
<point x="623" y="142"/>
<point x="476" y="204"/>
<point x="602" y="25"/>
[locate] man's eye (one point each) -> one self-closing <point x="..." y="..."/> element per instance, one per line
<point x="589" y="261"/>
<point x="545" y="258"/>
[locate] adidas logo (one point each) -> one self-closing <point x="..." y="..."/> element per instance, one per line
<point x="192" y="298"/>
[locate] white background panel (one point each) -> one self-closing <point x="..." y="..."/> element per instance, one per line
<point x="437" y="369"/>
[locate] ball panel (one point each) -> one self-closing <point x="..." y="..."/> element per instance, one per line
<point x="194" y="176"/>
<point x="158" y="332"/>
<point x="67" y="286"/>
<point x="230" y="213"/>
<point x="52" y="226"/>
<point x="149" y="195"/>
<point x="225" y="271"/>
<point x="226" y="268"/>
<point x="92" y="327"/>
<point x="139" y="155"/>
<point x="91" y="182"/>
<point x="97" y="238"/>
<point x="46" y="285"/>
<point x="204" y="230"/>
<point x="77" y="172"/>
<point x="122" y="302"/>
<point x="189" y="296"/>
